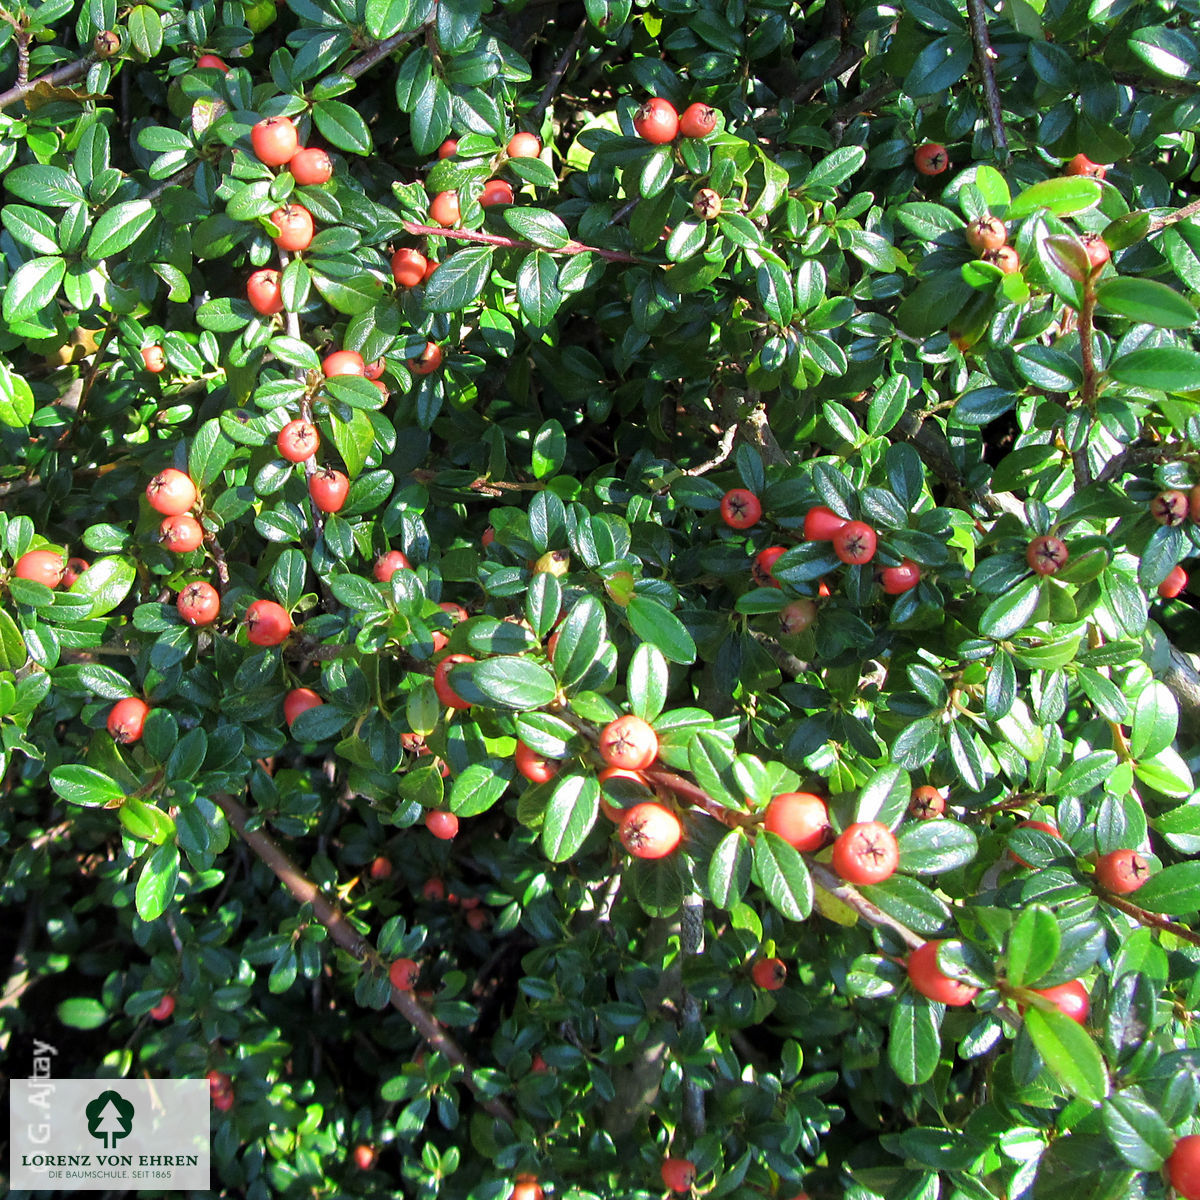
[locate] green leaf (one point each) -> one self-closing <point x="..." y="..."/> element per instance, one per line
<point x="209" y="453"/>
<point x="729" y="870"/>
<point x="834" y="169"/>
<point x="505" y="682"/>
<point x="82" y="1012"/>
<point x="940" y="65"/>
<point x="16" y="399"/>
<point x="1170" y="52"/>
<point x="1069" y="1053"/>
<point x="1163" y="368"/>
<point x="107" y="581"/>
<point x="342" y="126"/>
<point x="710" y="759"/>
<point x="387" y="17"/>
<point x="1063" y="196"/>
<point x="13" y="654"/>
<point x="1155" y="720"/>
<point x="32" y="288"/>
<point x="1033" y="944"/>
<point x="1166" y="772"/>
<point x="570" y="816"/>
<point x="1141" y="1137"/>
<point x="647" y="682"/>
<point x="537" y="225"/>
<point x="537" y="288"/>
<point x="479" y="786"/>
<point x="156" y="884"/>
<point x="1175" y="890"/>
<point x="145" y="822"/>
<point x="459" y="280"/>
<point x="86" y="786"/>
<point x="783" y="875"/>
<point x="145" y="30"/>
<point x="662" y="628"/>
<point x="914" y="1042"/>
<point x="354" y="439"/>
<point x="119" y="227"/>
<point x="1148" y="301"/>
<point x="884" y="796"/>
<point x="931" y="847"/>
<point x="1010" y="611"/>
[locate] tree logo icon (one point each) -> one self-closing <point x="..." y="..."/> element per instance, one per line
<point x="109" y="1118"/>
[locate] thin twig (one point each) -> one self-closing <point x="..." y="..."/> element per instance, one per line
<point x="1154" y="920"/>
<point x="984" y="54"/>
<point x="495" y="239"/>
<point x="691" y="944"/>
<point x="724" y="448"/>
<point x="556" y="76"/>
<point x="358" y="947"/>
<point x="1180" y="214"/>
<point x="66" y="73"/>
<point x="361" y="65"/>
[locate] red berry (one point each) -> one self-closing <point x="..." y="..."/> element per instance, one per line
<point x="211" y="60"/>
<point x="800" y="818"/>
<point x="199" y="603"/>
<point x="526" y="1187"/>
<point x="41" y="566"/>
<point x="171" y="492"/>
<point x="697" y="120"/>
<point x="678" y="1174"/>
<point x="931" y="158"/>
<point x="267" y="623"/>
<point x="181" y="534"/>
<point x="343" y="362"/>
<point x="740" y="508"/>
<point x="496" y="192"/>
<point x="986" y="233"/>
<point x="223" y="1100"/>
<point x="448" y="149"/>
<point x="445" y="693"/>
<point x="444" y="209"/>
<point x="657" y="121"/>
<point x="628" y="742"/>
<point x="1071" y="999"/>
<point x="764" y="560"/>
<point x="72" y="571"/>
<point x="855" y="542"/>
<point x="1097" y="250"/>
<point x="441" y="824"/>
<point x="524" y="145"/>
<point x="295" y="225"/>
<point x="164" y="1008"/>
<point x="865" y="852"/>
<point x="311" y="166"/>
<point x="298" y="440"/>
<point x="1045" y="555"/>
<point x="648" y="830"/>
<point x="1183" y="1167"/>
<point x="1082" y="165"/>
<point x="408" y="267"/>
<point x="403" y="973"/>
<point x="821" y="523"/>
<point x="537" y="768"/>
<point x="299" y="700"/>
<point x="218" y="1082"/>
<point x="797" y="616"/>
<point x="770" y="974"/>
<point x="427" y="361"/>
<point x="365" y="1156"/>
<point x="386" y="565"/>
<point x="328" y="489"/>
<point x="275" y="140"/>
<point x="1122" y="871"/>
<point x="1006" y="258"/>
<point x="263" y="292"/>
<point x="932" y="982"/>
<point x="900" y="579"/>
<point x="380" y="868"/>
<point x="127" y="719"/>
<point x="155" y="359"/>
<point x="1174" y="583"/>
<point x="926" y="803"/>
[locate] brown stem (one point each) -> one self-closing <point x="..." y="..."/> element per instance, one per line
<point x="22" y="40"/>
<point x="556" y="76"/>
<point x="1180" y="214"/>
<point x="1087" y="357"/>
<point x="1154" y="920"/>
<point x="361" y="65"/>
<point x="66" y="73"/>
<point x="696" y="796"/>
<point x="984" y="54"/>
<point x="853" y="898"/>
<point x="495" y="239"/>
<point x="304" y="891"/>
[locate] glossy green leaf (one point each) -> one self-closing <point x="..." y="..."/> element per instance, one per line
<point x="1069" y="1053"/>
<point x="783" y="875"/>
<point x="570" y="816"/>
<point x="156" y="883"/>
<point x="1033" y="944"/>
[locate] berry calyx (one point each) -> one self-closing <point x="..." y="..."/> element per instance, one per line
<point x="865" y="852"/>
<point x="932" y="982"/>
<point x="770" y="974"/>
<point x="855" y="543"/>
<point x="926" y="803"/>
<point x="171" y="492"/>
<point x="1046" y="555"/>
<point x="986" y="233"/>
<point x="267" y="623"/>
<point x="403" y="974"/>
<point x="1169" y="508"/>
<point x="740" y="508"/>
<point x="73" y="569"/>
<point x="678" y="1174"/>
<point x="648" y="830"/>
<point x="1121" y="871"/>
<point x="706" y="204"/>
<point x="800" y="818"/>
<point x="299" y="700"/>
<point x="657" y="121"/>
<point x="628" y="742"/>
<point x="127" y="719"/>
<point x="441" y="824"/>
<point x="298" y="440"/>
<point x="931" y="158"/>
<point x="697" y="120"/>
<point x="1004" y="257"/>
<point x="199" y="603"/>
